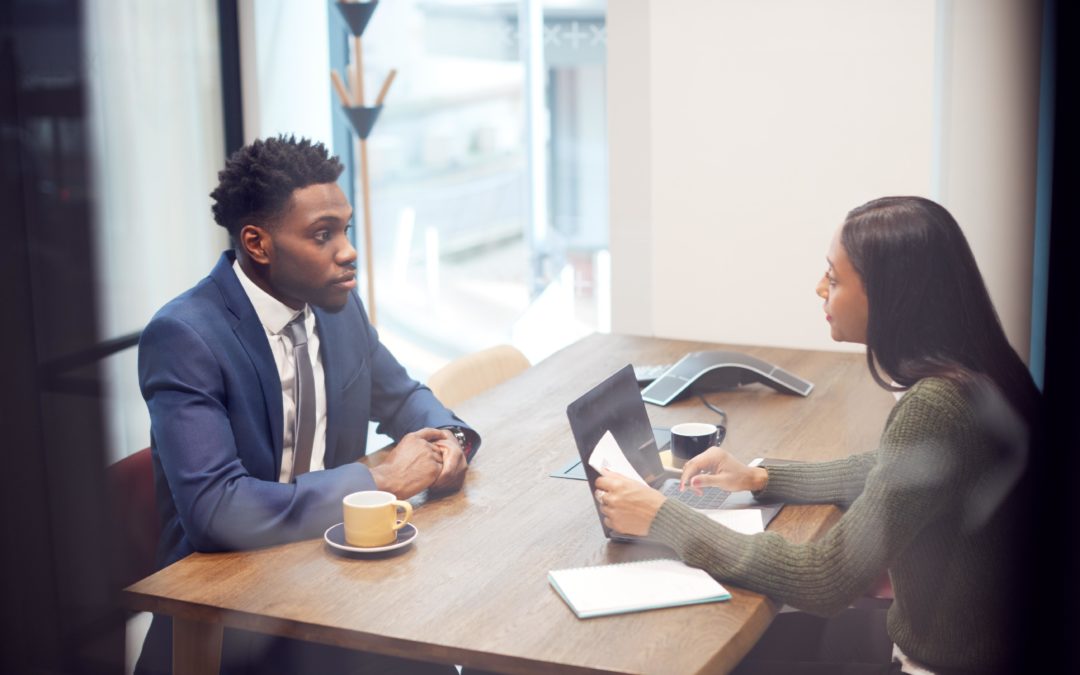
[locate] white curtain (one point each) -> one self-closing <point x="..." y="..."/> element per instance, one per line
<point x="157" y="143"/>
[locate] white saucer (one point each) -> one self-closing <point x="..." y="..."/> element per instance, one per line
<point x="335" y="536"/>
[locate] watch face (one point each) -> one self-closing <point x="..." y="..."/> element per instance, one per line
<point x="459" y="434"/>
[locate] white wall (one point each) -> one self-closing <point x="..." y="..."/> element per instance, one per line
<point x="741" y="133"/>
<point x="988" y="158"/>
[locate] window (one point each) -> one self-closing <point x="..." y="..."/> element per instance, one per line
<point x="482" y="232"/>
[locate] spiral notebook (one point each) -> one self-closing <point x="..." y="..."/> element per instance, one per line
<point x="634" y="587"/>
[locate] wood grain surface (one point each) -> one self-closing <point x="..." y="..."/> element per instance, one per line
<point x="473" y="588"/>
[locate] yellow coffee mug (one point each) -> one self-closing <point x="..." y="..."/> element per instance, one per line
<point x="371" y="518"/>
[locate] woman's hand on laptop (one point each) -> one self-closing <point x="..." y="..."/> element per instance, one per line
<point x="629" y="507"/>
<point x="717" y="467"/>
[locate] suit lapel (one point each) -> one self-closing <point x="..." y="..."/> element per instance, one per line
<point x="340" y="360"/>
<point x="330" y="350"/>
<point x="252" y="336"/>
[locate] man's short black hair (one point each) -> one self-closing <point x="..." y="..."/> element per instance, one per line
<point x="258" y="179"/>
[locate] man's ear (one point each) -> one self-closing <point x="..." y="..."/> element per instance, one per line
<point x="256" y="243"/>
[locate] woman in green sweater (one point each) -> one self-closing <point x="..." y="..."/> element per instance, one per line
<point x="936" y="504"/>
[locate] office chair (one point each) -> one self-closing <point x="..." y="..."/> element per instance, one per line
<point x="131" y="496"/>
<point x="131" y="488"/>
<point x="475" y="373"/>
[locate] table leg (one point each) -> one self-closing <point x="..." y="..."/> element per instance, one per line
<point x="196" y="647"/>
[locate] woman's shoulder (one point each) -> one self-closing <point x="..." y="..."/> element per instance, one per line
<point x="937" y="398"/>
<point x="972" y="417"/>
<point x="942" y="390"/>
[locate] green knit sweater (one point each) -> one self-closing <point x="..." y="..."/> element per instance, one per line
<point x="925" y="506"/>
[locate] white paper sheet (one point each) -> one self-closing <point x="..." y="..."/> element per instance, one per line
<point x="747" y="521"/>
<point x="608" y="455"/>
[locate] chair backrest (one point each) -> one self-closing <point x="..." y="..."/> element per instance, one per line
<point x="474" y="373"/>
<point x="131" y="490"/>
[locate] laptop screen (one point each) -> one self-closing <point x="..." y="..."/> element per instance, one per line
<point x="615" y="405"/>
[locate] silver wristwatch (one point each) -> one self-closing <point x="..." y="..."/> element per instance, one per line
<point x="459" y="434"/>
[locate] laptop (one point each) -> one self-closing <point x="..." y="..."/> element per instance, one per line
<point x="615" y="406"/>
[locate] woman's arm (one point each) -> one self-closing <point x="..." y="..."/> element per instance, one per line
<point x="837" y="482"/>
<point x="908" y="487"/>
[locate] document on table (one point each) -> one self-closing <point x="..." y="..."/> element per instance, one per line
<point x="608" y="455"/>
<point x="747" y="521"/>
<point x="634" y="587"/>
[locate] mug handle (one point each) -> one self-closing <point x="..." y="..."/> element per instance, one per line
<point x="398" y="504"/>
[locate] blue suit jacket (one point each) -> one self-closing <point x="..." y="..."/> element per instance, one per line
<point x="214" y="395"/>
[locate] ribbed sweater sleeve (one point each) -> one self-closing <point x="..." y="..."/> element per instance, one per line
<point x="838" y="482"/>
<point x="904" y="490"/>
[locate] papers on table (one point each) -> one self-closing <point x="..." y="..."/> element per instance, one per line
<point x="747" y="521"/>
<point x="634" y="586"/>
<point x="607" y="455"/>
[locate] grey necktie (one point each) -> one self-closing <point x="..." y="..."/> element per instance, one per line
<point x="304" y="429"/>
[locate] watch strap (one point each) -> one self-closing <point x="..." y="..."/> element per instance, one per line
<point x="462" y="439"/>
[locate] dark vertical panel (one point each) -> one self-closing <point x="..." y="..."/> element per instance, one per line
<point x="19" y="422"/>
<point x="1056" y="579"/>
<point x="59" y="603"/>
<point x="232" y="99"/>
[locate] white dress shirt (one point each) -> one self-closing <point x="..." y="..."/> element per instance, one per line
<point x="274" y="316"/>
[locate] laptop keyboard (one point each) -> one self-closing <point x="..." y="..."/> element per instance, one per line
<point x="710" y="497"/>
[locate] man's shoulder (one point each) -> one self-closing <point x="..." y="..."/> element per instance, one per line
<point x="200" y="303"/>
<point x="204" y="310"/>
<point x="206" y="298"/>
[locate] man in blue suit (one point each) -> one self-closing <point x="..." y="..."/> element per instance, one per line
<point x="236" y="463"/>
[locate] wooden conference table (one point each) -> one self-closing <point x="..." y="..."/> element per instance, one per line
<point x="473" y="587"/>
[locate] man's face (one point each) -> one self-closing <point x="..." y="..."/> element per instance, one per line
<point x="309" y="254"/>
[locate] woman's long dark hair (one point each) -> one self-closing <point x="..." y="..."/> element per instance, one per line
<point x="929" y="312"/>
